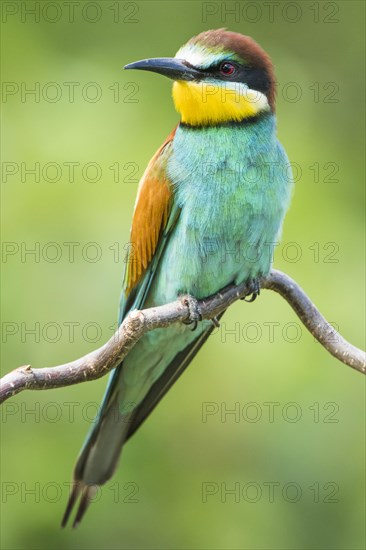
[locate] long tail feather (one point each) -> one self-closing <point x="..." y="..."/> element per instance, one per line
<point x="87" y="493"/>
<point x="100" y="454"/>
<point x="70" y="505"/>
<point x="86" y="498"/>
<point x="98" y="458"/>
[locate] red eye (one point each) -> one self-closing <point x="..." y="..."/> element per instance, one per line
<point x="227" y="68"/>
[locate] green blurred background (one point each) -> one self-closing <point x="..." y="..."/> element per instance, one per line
<point x="315" y="439"/>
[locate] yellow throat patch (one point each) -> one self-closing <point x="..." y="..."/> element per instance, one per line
<point x="207" y="103"/>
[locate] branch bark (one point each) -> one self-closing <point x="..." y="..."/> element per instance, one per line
<point x="99" y="362"/>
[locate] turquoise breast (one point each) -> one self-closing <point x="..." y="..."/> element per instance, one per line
<point x="233" y="185"/>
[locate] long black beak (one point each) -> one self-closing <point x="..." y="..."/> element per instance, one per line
<point x="176" y="69"/>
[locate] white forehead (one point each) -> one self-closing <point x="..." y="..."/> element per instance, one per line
<point x="199" y="56"/>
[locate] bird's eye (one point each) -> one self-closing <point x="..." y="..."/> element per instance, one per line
<point x="227" y="68"/>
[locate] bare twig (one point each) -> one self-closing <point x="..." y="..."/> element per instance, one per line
<point x="97" y="363"/>
<point x="314" y="321"/>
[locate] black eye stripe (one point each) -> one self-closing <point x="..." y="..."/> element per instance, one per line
<point x="256" y="78"/>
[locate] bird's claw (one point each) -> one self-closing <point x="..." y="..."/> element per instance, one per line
<point x="254" y="290"/>
<point x="215" y="322"/>
<point x="193" y="310"/>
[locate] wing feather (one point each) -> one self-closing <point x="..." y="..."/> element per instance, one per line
<point x="151" y="214"/>
<point x="167" y="379"/>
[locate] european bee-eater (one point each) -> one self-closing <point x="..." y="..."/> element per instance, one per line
<point x="208" y="213"/>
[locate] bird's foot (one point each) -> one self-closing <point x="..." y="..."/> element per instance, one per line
<point x="193" y="310"/>
<point x="215" y="322"/>
<point x="254" y="290"/>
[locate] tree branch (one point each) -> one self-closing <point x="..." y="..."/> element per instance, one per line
<point x="97" y="363"/>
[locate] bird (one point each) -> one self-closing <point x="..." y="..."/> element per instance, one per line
<point x="209" y="211"/>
